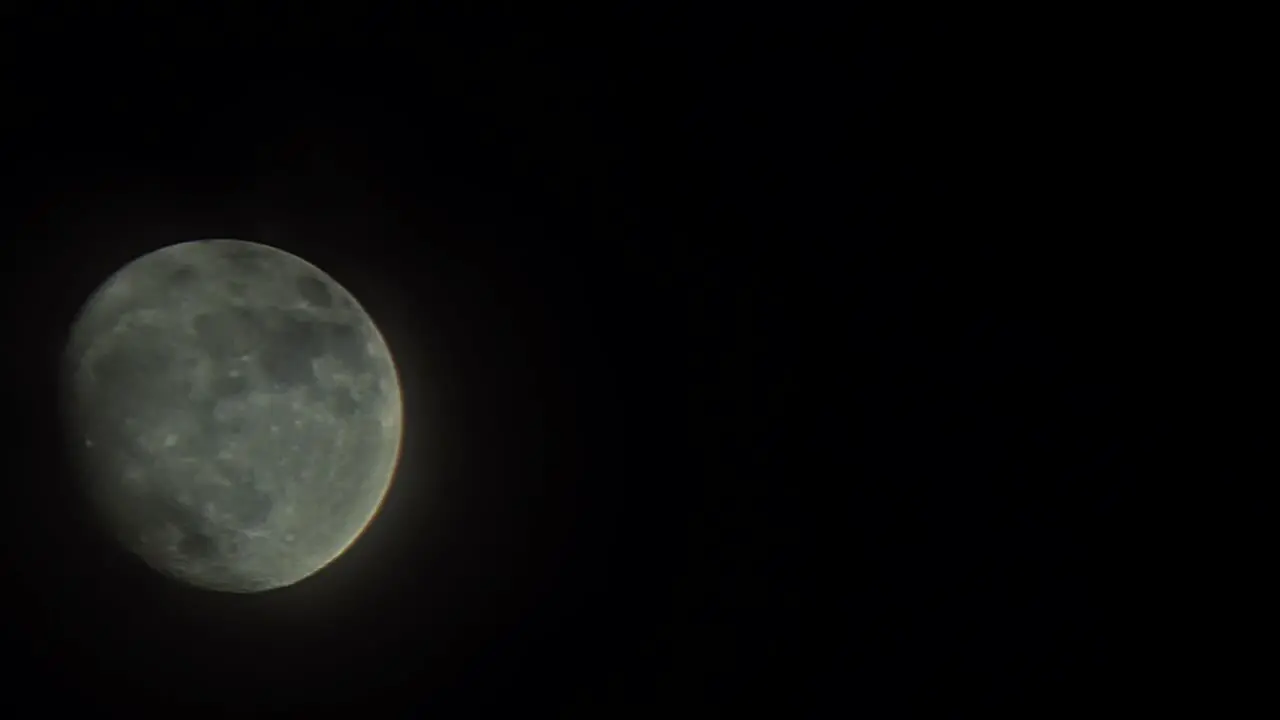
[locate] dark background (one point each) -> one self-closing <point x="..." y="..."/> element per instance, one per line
<point x="742" y="365"/>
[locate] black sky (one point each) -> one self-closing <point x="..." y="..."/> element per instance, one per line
<point x="723" y="382"/>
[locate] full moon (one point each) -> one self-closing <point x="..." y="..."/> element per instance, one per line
<point x="235" y="413"/>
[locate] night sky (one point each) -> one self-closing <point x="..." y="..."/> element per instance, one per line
<point x="739" y="370"/>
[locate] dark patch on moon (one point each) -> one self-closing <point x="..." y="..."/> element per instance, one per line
<point x="211" y="428"/>
<point x="197" y="545"/>
<point x="154" y="509"/>
<point x="231" y="427"/>
<point x="250" y="506"/>
<point x="226" y="385"/>
<point x="133" y="375"/>
<point x="314" y="292"/>
<point x="243" y="258"/>
<point x="244" y="500"/>
<point x="184" y="277"/>
<point x="110" y="439"/>
<point x="123" y="367"/>
<point x="346" y="343"/>
<point x="207" y="328"/>
<point x="343" y="404"/>
<point x="246" y="319"/>
<point x="227" y="333"/>
<point x="292" y="345"/>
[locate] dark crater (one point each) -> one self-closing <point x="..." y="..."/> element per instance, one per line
<point x="129" y="366"/>
<point x="196" y="545"/>
<point x="287" y="354"/>
<point x="228" y="333"/>
<point x="183" y="278"/>
<point x="346" y="343"/>
<point x="343" y="403"/>
<point x="224" y="385"/>
<point x="136" y="374"/>
<point x="314" y="291"/>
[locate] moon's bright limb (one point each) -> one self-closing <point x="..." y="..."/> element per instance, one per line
<point x="237" y="412"/>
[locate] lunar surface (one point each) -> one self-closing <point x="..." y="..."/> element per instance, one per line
<point x="235" y="413"/>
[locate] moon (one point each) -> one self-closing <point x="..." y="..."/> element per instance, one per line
<point x="235" y="413"/>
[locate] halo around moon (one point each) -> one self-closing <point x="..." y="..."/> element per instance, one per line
<point x="235" y="412"/>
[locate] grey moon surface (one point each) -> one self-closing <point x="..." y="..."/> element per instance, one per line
<point x="235" y="413"/>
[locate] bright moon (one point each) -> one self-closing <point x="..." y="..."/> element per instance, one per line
<point x="237" y="413"/>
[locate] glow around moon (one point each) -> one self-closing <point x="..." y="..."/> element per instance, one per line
<point x="235" y="412"/>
